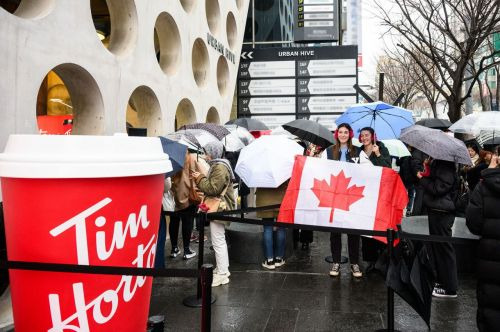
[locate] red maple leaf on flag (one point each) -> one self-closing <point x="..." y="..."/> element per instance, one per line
<point x="337" y="194"/>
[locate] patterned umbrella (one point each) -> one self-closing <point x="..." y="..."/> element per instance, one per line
<point x="199" y="137"/>
<point x="218" y="131"/>
<point x="436" y="144"/>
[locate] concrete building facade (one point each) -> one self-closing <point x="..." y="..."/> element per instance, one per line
<point x="189" y="77"/>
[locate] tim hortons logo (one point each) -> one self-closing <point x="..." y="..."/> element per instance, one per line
<point x="126" y="288"/>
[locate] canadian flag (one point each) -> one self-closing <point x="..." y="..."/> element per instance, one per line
<point x="331" y="193"/>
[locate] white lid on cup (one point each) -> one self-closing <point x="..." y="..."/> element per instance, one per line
<point x="67" y="156"/>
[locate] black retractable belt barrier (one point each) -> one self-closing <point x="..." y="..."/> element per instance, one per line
<point x="206" y="309"/>
<point x="196" y="301"/>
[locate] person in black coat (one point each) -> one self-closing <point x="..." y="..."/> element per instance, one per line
<point x="439" y="192"/>
<point x="417" y="162"/>
<point x="483" y="218"/>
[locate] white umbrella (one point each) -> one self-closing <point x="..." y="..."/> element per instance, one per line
<point x="268" y="161"/>
<point x="477" y="122"/>
<point x="396" y="147"/>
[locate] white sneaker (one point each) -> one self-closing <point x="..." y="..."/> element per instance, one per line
<point x="220" y="279"/>
<point x="355" y="270"/>
<point x="216" y="271"/>
<point x="335" y="271"/>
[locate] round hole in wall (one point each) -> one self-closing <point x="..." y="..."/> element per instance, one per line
<point x="213" y="116"/>
<point x="115" y="22"/>
<point x="143" y="111"/>
<point x="200" y="62"/>
<point x="28" y="9"/>
<point x="184" y="114"/>
<point x="231" y="30"/>
<point x="168" y="43"/>
<point x="222" y="75"/>
<point x="239" y="4"/>
<point x="188" y="5"/>
<point x="212" y="10"/>
<point x="69" y="102"/>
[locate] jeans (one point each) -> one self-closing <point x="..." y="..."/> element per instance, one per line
<point x="160" y="244"/>
<point x="273" y="248"/>
<point x="187" y="227"/>
<point x="411" y="199"/>
<point x="218" y="236"/>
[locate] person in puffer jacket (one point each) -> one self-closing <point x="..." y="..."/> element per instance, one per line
<point x="483" y="218"/>
<point x="439" y="191"/>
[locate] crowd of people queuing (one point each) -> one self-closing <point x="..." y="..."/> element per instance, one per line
<point x="436" y="188"/>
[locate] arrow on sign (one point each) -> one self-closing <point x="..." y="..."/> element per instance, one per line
<point x="247" y="55"/>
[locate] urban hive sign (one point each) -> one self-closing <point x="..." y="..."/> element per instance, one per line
<point x="278" y="85"/>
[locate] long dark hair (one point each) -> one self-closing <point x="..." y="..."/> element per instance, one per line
<point x="350" y="148"/>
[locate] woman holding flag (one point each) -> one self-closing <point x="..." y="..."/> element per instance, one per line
<point x="375" y="153"/>
<point x="344" y="151"/>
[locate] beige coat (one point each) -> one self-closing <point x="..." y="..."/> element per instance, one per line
<point x="181" y="182"/>
<point x="270" y="196"/>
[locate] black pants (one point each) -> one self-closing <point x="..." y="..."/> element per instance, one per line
<point x="443" y="254"/>
<point x="371" y="249"/>
<point x="352" y="246"/>
<point x="304" y="236"/>
<point x="187" y="226"/>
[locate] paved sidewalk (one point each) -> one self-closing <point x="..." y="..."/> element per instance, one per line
<point x="301" y="296"/>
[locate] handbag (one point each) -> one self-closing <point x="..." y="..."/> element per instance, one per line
<point x="215" y="203"/>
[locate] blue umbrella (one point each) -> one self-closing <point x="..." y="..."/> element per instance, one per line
<point x="385" y="119"/>
<point x="176" y="152"/>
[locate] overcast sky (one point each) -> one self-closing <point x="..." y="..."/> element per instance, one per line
<point x="373" y="44"/>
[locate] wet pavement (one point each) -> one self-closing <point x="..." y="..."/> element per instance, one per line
<point x="301" y="296"/>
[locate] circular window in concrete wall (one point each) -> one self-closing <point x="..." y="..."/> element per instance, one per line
<point x="212" y="10"/>
<point x="69" y="102"/>
<point x="239" y="3"/>
<point x="184" y="114"/>
<point x="115" y="22"/>
<point x="231" y="30"/>
<point x="143" y="111"/>
<point x="213" y="116"/>
<point x="188" y="4"/>
<point x="169" y="43"/>
<point x="222" y="75"/>
<point x="28" y="8"/>
<point x="200" y="62"/>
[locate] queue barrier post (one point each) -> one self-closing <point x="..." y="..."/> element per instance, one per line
<point x="206" y="295"/>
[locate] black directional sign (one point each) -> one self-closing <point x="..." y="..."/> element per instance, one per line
<point x="279" y="84"/>
<point x="316" y="20"/>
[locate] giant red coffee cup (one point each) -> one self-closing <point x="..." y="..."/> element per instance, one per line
<point x="88" y="200"/>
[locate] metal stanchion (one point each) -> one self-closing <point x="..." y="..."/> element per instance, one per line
<point x="390" y="291"/>
<point x="206" y="295"/>
<point x="195" y="301"/>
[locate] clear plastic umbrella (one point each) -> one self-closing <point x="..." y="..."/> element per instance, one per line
<point x="242" y="133"/>
<point x="201" y="137"/>
<point x="477" y="122"/>
<point x="396" y="147"/>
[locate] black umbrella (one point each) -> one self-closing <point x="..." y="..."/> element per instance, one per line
<point x="176" y="153"/>
<point x="434" y="123"/>
<point x="214" y="129"/>
<point x="249" y="123"/>
<point x="411" y="275"/>
<point x="310" y="131"/>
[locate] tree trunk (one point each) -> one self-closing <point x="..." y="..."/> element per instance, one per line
<point x="434" y="109"/>
<point x="454" y="110"/>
